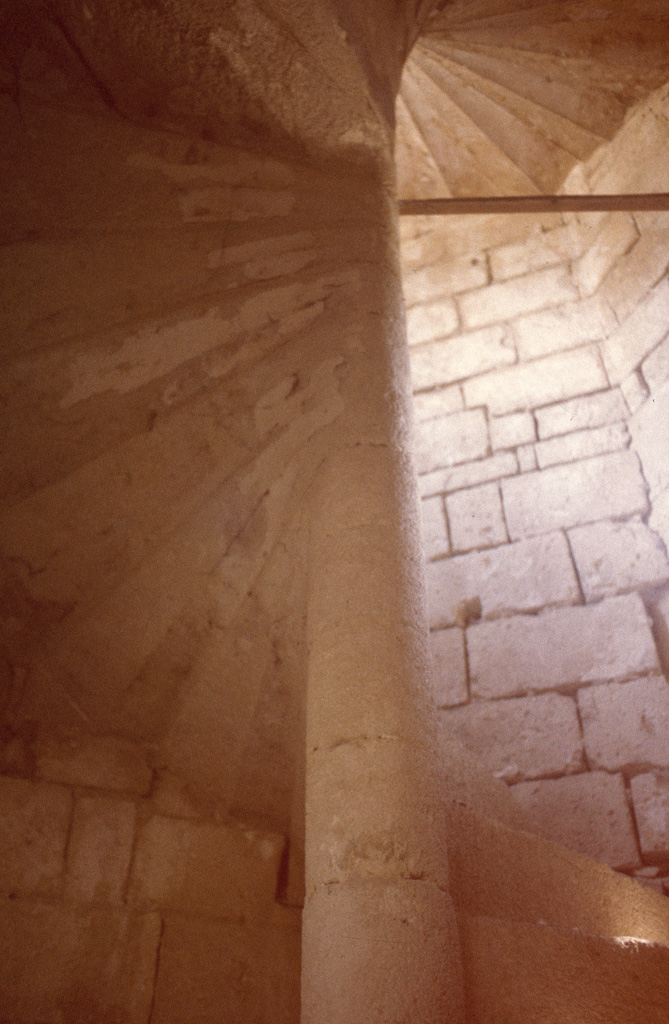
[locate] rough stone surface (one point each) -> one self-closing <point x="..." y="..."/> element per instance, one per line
<point x="626" y="726"/>
<point x="650" y="437"/>
<point x="505" y="301"/>
<point x="583" y="444"/>
<point x="35" y="821"/>
<point x="510" y="431"/>
<point x="540" y="249"/>
<point x="451" y="439"/>
<point x="555" y="330"/>
<point x="522" y="738"/>
<point x="449" y="667"/>
<point x="514" y="577"/>
<point x="433" y="521"/>
<point x="63" y="963"/>
<point x="612" y="557"/>
<point x="444" y="279"/>
<point x="431" y="320"/>
<point x="587" y="813"/>
<point x="442" y="402"/>
<point x="105" y="762"/>
<point x="645" y="328"/>
<point x="604" y="487"/>
<point x="469" y="475"/>
<point x="100" y="848"/>
<point x="562" y="649"/>
<point x="475" y="518"/>
<point x="582" y="413"/>
<point x="444" y="362"/>
<point x="618" y="235"/>
<point x="655" y="368"/>
<point x="209" y="869"/>
<point x="650" y="797"/>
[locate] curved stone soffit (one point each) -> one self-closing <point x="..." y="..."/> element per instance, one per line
<point x="504" y="97"/>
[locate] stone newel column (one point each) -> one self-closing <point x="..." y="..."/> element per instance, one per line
<point x="379" y="935"/>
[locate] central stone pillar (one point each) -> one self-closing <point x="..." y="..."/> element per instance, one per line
<point x="379" y="934"/>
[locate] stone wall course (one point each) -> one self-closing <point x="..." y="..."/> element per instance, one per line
<point x="649" y="428"/>
<point x="100" y="848"/>
<point x="520" y="577"/>
<point x="561" y="648"/>
<point x="456" y="359"/>
<point x="428" y="405"/>
<point x="509" y="299"/>
<point x="103" y="762"/>
<point x="513" y="430"/>
<point x="470" y="474"/>
<point x="539" y="250"/>
<point x="616" y="237"/>
<point x="650" y="798"/>
<point x="614" y="557"/>
<point x="476" y="518"/>
<point x="638" y="335"/>
<point x="587" y="813"/>
<point x="564" y="327"/>
<point x="639" y="270"/>
<point x="446" y="441"/>
<point x="522" y="738"/>
<point x="441" y="280"/>
<point x="655" y="368"/>
<point x="430" y="320"/>
<point x="34" y="826"/>
<point x="604" y="487"/>
<point x="626" y="726"/>
<point x="583" y="413"/>
<point x="583" y="444"/>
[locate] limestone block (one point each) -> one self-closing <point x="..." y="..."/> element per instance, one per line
<point x="460" y="357"/>
<point x="583" y="413"/>
<point x="626" y="725"/>
<point x="63" y="963"/>
<point x="513" y="430"/>
<point x="207" y="869"/>
<point x="645" y="328"/>
<point x="650" y="797"/>
<point x="100" y="848"/>
<point x="527" y="458"/>
<point x="612" y="557"/>
<point x="530" y="385"/>
<point x="618" y="235"/>
<point x="583" y="444"/>
<point x="522" y="738"/>
<point x="587" y="813"/>
<point x="639" y="270"/>
<point x="431" y="320"/>
<point x="451" y="439"/>
<point x="35" y="821"/>
<point x="449" y="667"/>
<point x="561" y="649"/>
<point x="539" y="250"/>
<point x="509" y="299"/>
<point x="429" y="404"/>
<point x="605" y="487"/>
<point x="475" y="518"/>
<point x="649" y="428"/>
<point x="659" y="518"/>
<point x="225" y="971"/>
<point x="635" y="391"/>
<point x="433" y="522"/>
<point x="514" y="577"/>
<point x="444" y="279"/>
<point x="566" y="326"/>
<point x="106" y="762"/>
<point x="659" y="611"/>
<point x="655" y="368"/>
<point x="468" y="475"/>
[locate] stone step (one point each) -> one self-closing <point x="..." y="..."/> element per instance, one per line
<point x="418" y="176"/>
<point x="498" y="871"/>
<point x="470" y="162"/>
<point x="520" y="972"/>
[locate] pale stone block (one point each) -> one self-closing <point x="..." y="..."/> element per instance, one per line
<point x="35" y="819"/>
<point x="567" y="326"/>
<point x="444" y="279"/>
<point x="612" y="557"/>
<point x="561" y="649"/>
<point x="537" y="251"/>
<point x="202" y="868"/>
<point x="530" y="385"/>
<point x="635" y="391"/>
<point x="635" y="273"/>
<point x="511" y="431"/>
<point x="587" y="813"/>
<point x="649" y="428"/>
<point x="451" y="439"/>
<point x="626" y="725"/>
<point x="520" y="295"/>
<point x="469" y="475"/>
<point x="429" y="404"/>
<point x="105" y="762"/>
<point x="83" y="964"/>
<point x="433" y="522"/>
<point x="655" y="368"/>
<point x="512" y="578"/>
<point x="618" y="235"/>
<point x="645" y="328"/>
<point x="650" y="797"/>
<point x="475" y="518"/>
<point x="100" y="848"/>
<point x="523" y="738"/>
<point x="606" y="487"/>
<point x="431" y="320"/>
<point x="460" y="357"/>
<point x="224" y="971"/>
<point x="527" y="458"/>
<point x="659" y="611"/>
<point x="582" y="444"/>
<point x="582" y="413"/>
<point x="449" y="668"/>
<point x="659" y="519"/>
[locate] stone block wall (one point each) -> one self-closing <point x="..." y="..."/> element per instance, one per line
<point x="542" y="407"/>
<point x="124" y="899"/>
